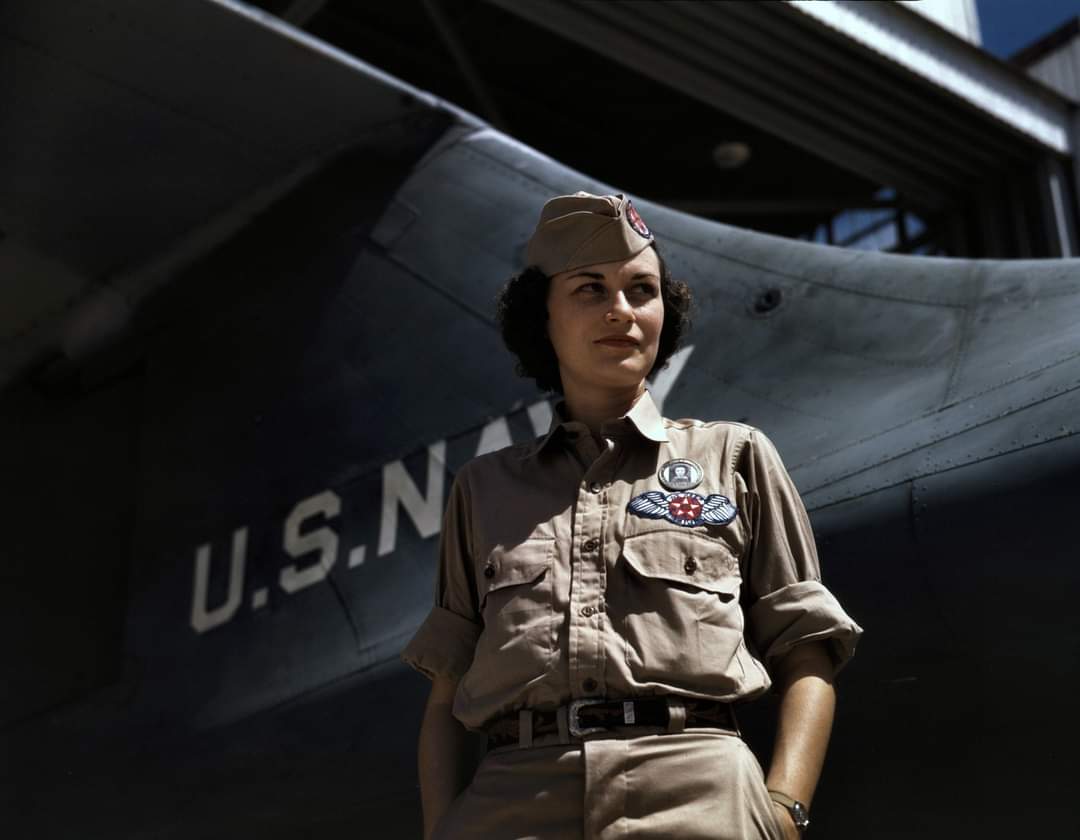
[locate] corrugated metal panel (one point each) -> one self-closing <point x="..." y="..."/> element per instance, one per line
<point x="960" y="17"/>
<point x="969" y="75"/>
<point x="838" y="93"/>
<point x="1061" y="69"/>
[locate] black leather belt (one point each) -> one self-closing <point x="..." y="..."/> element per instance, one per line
<point x="638" y="715"/>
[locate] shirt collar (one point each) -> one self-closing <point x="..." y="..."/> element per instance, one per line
<point x="643" y="416"/>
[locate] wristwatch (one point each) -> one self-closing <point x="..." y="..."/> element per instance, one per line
<point x="797" y="809"/>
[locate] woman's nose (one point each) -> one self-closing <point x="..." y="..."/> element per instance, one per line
<point x="620" y="308"/>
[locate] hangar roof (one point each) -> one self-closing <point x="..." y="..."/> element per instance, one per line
<point x="139" y="137"/>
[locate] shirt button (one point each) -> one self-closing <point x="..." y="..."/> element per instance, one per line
<point x="591" y="545"/>
<point x="690" y="565"/>
<point x="587" y="611"/>
<point x="589" y="685"/>
<point x="489" y="571"/>
<point x="595" y="487"/>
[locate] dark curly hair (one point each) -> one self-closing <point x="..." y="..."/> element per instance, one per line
<point x="521" y="310"/>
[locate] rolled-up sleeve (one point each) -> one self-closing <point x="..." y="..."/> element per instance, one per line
<point x="445" y="641"/>
<point x="786" y="603"/>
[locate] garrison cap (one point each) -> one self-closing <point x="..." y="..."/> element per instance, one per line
<point x="583" y="229"/>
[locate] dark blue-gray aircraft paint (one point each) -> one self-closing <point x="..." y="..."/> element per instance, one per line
<point x="925" y="407"/>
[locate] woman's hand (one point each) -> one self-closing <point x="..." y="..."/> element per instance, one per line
<point x="787" y="822"/>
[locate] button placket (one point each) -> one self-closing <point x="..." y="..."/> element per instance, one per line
<point x="588" y="581"/>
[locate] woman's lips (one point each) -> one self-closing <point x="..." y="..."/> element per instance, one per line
<point x="617" y="342"/>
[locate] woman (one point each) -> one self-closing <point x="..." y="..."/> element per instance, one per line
<point x="607" y="592"/>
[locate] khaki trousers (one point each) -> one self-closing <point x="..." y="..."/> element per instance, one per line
<point x="699" y="783"/>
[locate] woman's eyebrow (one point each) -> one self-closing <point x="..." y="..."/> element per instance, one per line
<point x="595" y="275"/>
<point x="590" y="274"/>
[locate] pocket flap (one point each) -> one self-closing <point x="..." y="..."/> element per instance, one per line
<point x="684" y="558"/>
<point x="522" y="563"/>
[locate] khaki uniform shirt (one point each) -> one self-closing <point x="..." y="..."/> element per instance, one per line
<point x="549" y="589"/>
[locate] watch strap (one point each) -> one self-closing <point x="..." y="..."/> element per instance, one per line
<point x="799" y="812"/>
<point x="782" y="799"/>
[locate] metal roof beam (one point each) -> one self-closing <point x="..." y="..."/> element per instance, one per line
<point x="454" y="45"/>
<point x="831" y="100"/>
<point x="624" y="41"/>
<point x="951" y="64"/>
<point x="879" y="90"/>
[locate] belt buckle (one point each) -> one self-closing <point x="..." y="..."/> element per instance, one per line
<point x="572" y="717"/>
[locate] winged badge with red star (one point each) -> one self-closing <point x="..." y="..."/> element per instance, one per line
<point x="687" y="509"/>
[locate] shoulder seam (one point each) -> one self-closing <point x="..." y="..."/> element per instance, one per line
<point x="690" y="423"/>
<point x="737" y="452"/>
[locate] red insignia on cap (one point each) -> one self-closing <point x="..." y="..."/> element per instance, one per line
<point x="636" y="221"/>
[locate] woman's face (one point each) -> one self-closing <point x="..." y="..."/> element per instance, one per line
<point x="604" y="322"/>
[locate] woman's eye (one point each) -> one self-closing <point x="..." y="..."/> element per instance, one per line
<point x="590" y="287"/>
<point x="647" y="289"/>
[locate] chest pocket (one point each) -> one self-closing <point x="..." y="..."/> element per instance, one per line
<point x="517" y="643"/>
<point x="679" y="612"/>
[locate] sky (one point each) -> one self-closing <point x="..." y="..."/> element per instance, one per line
<point x="1010" y="25"/>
